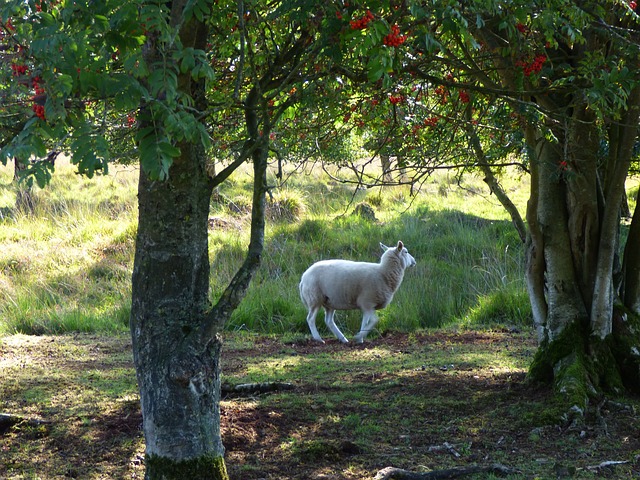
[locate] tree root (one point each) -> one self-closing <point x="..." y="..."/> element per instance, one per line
<point x="391" y="473"/>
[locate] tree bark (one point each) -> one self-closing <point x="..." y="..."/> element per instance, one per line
<point x="631" y="293"/>
<point x="178" y="372"/>
<point x="177" y="367"/>
<point x="586" y="346"/>
<point x="24" y="193"/>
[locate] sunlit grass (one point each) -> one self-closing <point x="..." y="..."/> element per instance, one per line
<point x="67" y="266"/>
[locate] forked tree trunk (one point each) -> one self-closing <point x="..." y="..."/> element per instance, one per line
<point x="586" y="346"/>
<point x="178" y="370"/>
<point x="176" y="344"/>
<point x="175" y="330"/>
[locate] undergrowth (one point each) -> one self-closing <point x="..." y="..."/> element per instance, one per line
<point x="66" y="266"/>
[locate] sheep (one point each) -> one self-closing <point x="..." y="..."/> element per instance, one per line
<point x="346" y="285"/>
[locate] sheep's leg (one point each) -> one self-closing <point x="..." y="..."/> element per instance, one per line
<point x="311" y="321"/>
<point x="369" y="321"/>
<point x="328" y="319"/>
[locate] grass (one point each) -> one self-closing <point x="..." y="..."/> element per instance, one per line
<point x="445" y="367"/>
<point x="66" y="267"/>
<point x="420" y="401"/>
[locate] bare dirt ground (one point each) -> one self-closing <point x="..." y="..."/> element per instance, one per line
<point x="420" y="402"/>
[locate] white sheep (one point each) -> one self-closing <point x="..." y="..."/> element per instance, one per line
<point x="346" y="285"/>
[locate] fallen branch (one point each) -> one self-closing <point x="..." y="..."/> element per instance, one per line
<point x="7" y="421"/>
<point x="608" y="463"/>
<point x="391" y="473"/>
<point x="246" y="389"/>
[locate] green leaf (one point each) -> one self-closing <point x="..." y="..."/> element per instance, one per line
<point x="375" y="69"/>
<point x="46" y="19"/>
<point x="188" y="60"/>
<point x="166" y="149"/>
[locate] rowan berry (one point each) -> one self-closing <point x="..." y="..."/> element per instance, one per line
<point x="39" y="111"/>
<point x="361" y="23"/>
<point x="394" y="39"/>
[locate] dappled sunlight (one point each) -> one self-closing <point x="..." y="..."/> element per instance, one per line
<point x="84" y="388"/>
<point x="26" y="345"/>
<point x="403" y="399"/>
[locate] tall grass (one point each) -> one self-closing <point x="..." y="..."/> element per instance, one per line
<point x="67" y="266"/>
<point x="469" y="265"/>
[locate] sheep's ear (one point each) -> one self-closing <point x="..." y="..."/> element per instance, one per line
<point x="400" y="246"/>
<point x="383" y="247"/>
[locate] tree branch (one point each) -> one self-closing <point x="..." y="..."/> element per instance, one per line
<point x="391" y="473"/>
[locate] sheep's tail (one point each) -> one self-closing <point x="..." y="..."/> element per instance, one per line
<point x="302" y="296"/>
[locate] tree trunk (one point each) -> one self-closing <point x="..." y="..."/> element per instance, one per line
<point x="177" y="364"/>
<point x="178" y="370"/>
<point x="24" y="194"/>
<point x="575" y="224"/>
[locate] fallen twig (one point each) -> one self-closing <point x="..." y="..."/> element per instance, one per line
<point x="7" y="421"/>
<point x="608" y="463"/>
<point x="391" y="473"/>
<point x="451" y="450"/>
<point x="245" y="389"/>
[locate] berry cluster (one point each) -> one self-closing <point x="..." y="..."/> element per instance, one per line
<point x="18" y="70"/>
<point x="38" y="98"/>
<point x="534" y="66"/>
<point x="633" y="4"/>
<point x="396" y="99"/>
<point x="431" y="121"/>
<point x="39" y="111"/>
<point x="463" y="96"/>
<point x="442" y="92"/>
<point x="37" y="88"/>
<point x="361" y="23"/>
<point x="394" y="39"/>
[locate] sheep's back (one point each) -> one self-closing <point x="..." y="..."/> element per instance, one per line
<point x="343" y="285"/>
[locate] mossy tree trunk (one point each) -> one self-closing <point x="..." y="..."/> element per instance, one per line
<point x="573" y="267"/>
<point x="585" y="297"/>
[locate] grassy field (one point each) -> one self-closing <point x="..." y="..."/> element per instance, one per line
<point x="66" y="267"/>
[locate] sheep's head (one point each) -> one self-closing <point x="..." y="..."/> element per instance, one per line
<point x="402" y="252"/>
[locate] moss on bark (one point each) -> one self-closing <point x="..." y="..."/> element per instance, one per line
<point x="202" y="468"/>
<point x="550" y="353"/>
<point x="564" y="363"/>
<point x="581" y="366"/>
